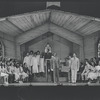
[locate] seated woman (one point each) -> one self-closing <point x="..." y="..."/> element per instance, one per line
<point x="93" y="75"/>
<point x="10" y="68"/>
<point x="17" y="72"/>
<point x="23" y="75"/>
<point x="98" y="70"/>
<point x="27" y="71"/>
<point x="88" y="72"/>
<point x="3" y="72"/>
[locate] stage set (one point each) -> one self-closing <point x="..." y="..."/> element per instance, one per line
<point x="54" y="36"/>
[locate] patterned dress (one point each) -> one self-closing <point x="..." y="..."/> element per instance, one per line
<point x="92" y="73"/>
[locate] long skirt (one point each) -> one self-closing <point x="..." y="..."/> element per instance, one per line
<point x="41" y="67"/>
<point x="24" y="75"/>
<point x="97" y="68"/>
<point x="34" y="64"/>
<point x="92" y="75"/>
<point x="35" y="68"/>
<point x="17" y="76"/>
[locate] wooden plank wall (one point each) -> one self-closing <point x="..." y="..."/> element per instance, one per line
<point x="90" y="45"/>
<point x="76" y="49"/>
<point x="9" y="45"/>
<point x="18" y="51"/>
<point x="59" y="45"/>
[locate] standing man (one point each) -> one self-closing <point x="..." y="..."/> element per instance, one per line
<point x="47" y="58"/>
<point x="48" y="63"/>
<point x="30" y="58"/>
<point x="68" y="65"/>
<point x="74" y="68"/>
<point x="55" y="68"/>
<point x="27" y="63"/>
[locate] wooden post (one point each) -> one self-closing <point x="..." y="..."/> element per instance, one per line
<point x="46" y="70"/>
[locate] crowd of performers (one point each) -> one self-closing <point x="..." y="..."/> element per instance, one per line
<point x="90" y="70"/>
<point x="86" y="71"/>
<point x="36" y="64"/>
<point x="11" y="71"/>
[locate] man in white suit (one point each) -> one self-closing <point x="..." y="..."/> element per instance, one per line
<point x="74" y="68"/>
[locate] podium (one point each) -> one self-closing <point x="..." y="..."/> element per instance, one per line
<point x="55" y="71"/>
<point x="46" y="61"/>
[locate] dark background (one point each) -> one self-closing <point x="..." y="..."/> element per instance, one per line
<point x="83" y="7"/>
<point x="50" y="93"/>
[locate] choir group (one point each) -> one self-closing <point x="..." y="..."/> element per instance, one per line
<point x="11" y="71"/>
<point x="36" y="64"/>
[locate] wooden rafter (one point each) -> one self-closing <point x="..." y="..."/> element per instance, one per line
<point x="21" y="31"/>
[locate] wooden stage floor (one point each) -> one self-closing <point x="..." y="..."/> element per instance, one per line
<point x="41" y="81"/>
<point x="50" y="84"/>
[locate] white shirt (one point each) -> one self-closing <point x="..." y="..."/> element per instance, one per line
<point x="75" y="63"/>
<point x="27" y="60"/>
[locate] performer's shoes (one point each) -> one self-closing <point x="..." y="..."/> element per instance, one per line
<point x="6" y="83"/>
<point x="20" y="82"/>
<point x="73" y="82"/>
<point x="60" y="83"/>
<point x="89" y="83"/>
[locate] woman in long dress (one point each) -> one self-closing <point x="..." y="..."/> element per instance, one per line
<point x="34" y="64"/>
<point x="88" y="68"/>
<point x="38" y="61"/>
<point x="41" y="68"/>
<point x="98" y="70"/>
<point x="93" y="73"/>
<point x="23" y="75"/>
<point x="17" y="73"/>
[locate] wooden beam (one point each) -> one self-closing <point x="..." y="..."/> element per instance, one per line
<point x="32" y="20"/>
<point x="6" y="37"/>
<point x="9" y="21"/>
<point x="39" y="38"/>
<point x="66" y="34"/>
<point x="52" y="28"/>
<point x="84" y="25"/>
<point x="73" y="37"/>
<point x="32" y="34"/>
